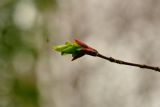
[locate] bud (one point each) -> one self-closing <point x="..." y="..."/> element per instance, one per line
<point x="77" y="49"/>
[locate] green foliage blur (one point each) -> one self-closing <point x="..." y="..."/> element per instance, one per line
<point x="19" y="53"/>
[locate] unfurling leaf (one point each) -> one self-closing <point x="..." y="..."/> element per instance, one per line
<point x="77" y="49"/>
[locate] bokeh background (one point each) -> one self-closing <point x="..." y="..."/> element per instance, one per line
<point x="32" y="75"/>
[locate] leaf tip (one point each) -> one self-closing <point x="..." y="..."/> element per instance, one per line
<point x="54" y="48"/>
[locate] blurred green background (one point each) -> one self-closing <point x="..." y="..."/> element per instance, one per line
<point x="23" y="38"/>
<point x="32" y="75"/>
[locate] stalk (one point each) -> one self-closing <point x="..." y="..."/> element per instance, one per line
<point x="111" y="59"/>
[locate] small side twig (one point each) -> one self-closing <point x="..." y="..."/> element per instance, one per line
<point x="111" y="59"/>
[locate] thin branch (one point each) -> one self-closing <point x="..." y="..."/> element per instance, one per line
<point x="111" y="59"/>
<point x="79" y="49"/>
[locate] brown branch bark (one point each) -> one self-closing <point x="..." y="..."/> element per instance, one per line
<point x="111" y="59"/>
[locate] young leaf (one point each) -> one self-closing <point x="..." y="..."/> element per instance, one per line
<point x="77" y="49"/>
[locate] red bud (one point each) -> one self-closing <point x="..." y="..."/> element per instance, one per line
<point x="80" y="43"/>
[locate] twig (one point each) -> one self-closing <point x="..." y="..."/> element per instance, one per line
<point x="111" y="59"/>
<point x="79" y="49"/>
